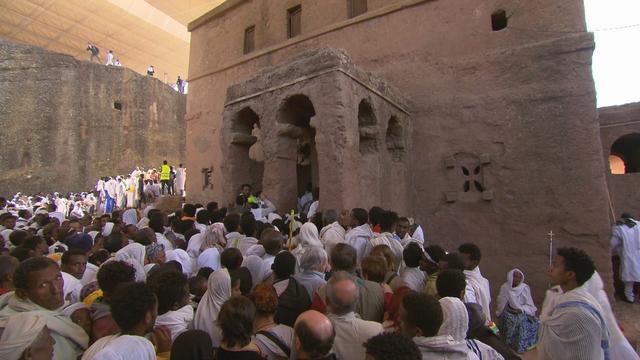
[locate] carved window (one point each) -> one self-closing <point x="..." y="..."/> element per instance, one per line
<point x="356" y="7"/>
<point x="368" y="128"/>
<point x="249" y="39"/>
<point x="472" y="179"/>
<point x="499" y="20"/>
<point x="294" y="21"/>
<point x="395" y="139"/>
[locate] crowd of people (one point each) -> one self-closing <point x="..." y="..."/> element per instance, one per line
<point x="248" y="282"/>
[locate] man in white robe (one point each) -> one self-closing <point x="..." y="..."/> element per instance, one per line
<point x="111" y="193"/>
<point x="121" y="194"/>
<point x="573" y="327"/>
<point x="130" y="185"/>
<point x="625" y="241"/>
<point x="479" y="284"/>
<point x="333" y="233"/>
<point x="360" y="234"/>
<point x="181" y="179"/>
<point x="39" y="289"/>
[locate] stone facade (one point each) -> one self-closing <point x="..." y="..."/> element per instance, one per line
<point x="620" y="132"/>
<point x="501" y="133"/>
<point x="67" y="122"/>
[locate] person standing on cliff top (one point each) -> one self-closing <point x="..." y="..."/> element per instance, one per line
<point x="95" y="52"/>
<point x="109" y="58"/>
<point x="151" y="70"/>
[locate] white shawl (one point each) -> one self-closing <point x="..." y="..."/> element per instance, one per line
<point x="574" y="329"/>
<point x="133" y="254"/>
<point x="70" y="338"/>
<point x="178" y="321"/>
<point x="332" y="235"/>
<point x="209" y="258"/>
<point x="620" y="347"/>
<point x="359" y="237"/>
<point x="183" y="258"/>
<point x="23" y="330"/>
<point x="120" y="347"/>
<point x="130" y="217"/>
<point x="218" y="291"/>
<point x="518" y="297"/>
<point x="254" y="264"/>
<point x="481" y="290"/>
<point x="455" y="319"/>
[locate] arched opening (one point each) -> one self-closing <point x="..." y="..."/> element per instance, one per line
<point x="367" y="126"/>
<point x="246" y="159"/>
<point x="394" y="139"/>
<point x="616" y="165"/>
<point x="627" y="148"/>
<point x="297" y="111"/>
<point x="26" y="159"/>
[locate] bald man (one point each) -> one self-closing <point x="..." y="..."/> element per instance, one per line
<point x="351" y="331"/>
<point x="314" y="335"/>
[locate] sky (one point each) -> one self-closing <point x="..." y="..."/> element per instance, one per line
<point x="616" y="59"/>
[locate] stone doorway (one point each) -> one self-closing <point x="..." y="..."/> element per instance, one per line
<point x="299" y="138"/>
<point x="246" y="158"/>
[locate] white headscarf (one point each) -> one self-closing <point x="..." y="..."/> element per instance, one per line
<point x="218" y="291"/>
<point x="455" y="319"/>
<point x="309" y="235"/>
<point x="69" y="310"/>
<point x="107" y="229"/>
<point x="209" y="258"/>
<point x="183" y="258"/>
<point x="133" y="254"/>
<point x="22" y="330"/>
<point x="5" y="235"/>
<point x="255" y="265"/>
<point x="518" y="297"/>
<point x="130" y="217"/>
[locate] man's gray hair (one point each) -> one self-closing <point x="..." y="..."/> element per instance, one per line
<point x="329" y="216"/>
<point x="340" y="305"/>
<point x="313" y="259"/>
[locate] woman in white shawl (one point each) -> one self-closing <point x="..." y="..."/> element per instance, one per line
<point x="455" y="323"/>
<point x="516" y="313"/>
<point x="209" y="258"/>
<point x="255" y="266"/>
<point x="183" y="258"/>
<point x="134" y="254"/>
<point x="218" y="291"/>
<point x="308" y="237"/>
<point x="130" y="217"/>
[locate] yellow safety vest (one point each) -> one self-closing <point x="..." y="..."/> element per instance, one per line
<point x="165" y="173"/>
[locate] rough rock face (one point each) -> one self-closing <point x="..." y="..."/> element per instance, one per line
<point x="620" y="133"/>
<point x="505" y="142"/>
<point x="61" y="126"/>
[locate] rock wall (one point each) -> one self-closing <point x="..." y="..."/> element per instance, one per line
<point x="506" y="142"/>
<point x="67" y="122"/>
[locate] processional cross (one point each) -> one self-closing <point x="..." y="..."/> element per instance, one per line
<point x="550" y="234"/>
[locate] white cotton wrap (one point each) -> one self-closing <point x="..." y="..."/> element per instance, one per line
<point x="22" y="330"/>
